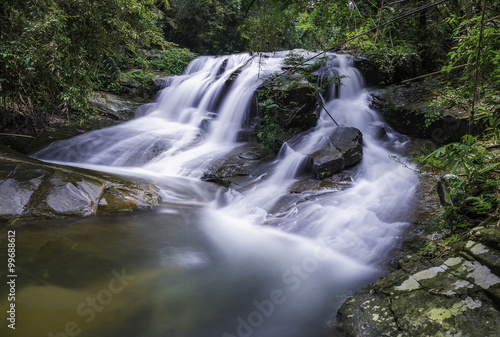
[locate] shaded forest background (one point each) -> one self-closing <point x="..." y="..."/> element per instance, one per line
<point x="53" y="53"/>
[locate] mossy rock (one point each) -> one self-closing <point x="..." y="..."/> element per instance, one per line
<point x="454" y="295"/>
<point x="30" y="188"/>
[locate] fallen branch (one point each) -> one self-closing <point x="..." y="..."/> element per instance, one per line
<point x="16" y="135"/>
<point x="323" y="106"/>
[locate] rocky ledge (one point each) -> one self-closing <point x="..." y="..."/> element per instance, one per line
<point x="457" y="294"/>
<point x="410" y="109"/>
<point x="323" y="168"/>
<point x="30" y="188"/>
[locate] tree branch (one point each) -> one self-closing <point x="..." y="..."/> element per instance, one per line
<point x="434" y="73"/>
<point x="402" y="16"/>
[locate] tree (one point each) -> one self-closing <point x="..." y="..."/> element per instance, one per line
<point x="50" y="50"/>
<point x="205" y="26"/>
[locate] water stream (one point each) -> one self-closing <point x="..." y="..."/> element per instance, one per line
<point x="207" y="262"/>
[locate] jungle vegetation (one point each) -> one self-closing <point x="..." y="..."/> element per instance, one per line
<point x="54" y="53"/>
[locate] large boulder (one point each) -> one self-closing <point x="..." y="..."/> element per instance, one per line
<point x="457" y="294"/>
<point x="30" y="188"/>
<point x="343" y="149"/>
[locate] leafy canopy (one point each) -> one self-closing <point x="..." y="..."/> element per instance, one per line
<point x="50" y="50"/>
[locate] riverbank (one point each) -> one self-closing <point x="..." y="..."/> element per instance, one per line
<point x="448" y="279"/>
<point x="260" y="179"/>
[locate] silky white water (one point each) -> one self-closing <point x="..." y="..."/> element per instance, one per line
<point x="280" y="280"/>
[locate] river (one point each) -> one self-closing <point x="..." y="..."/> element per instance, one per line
<point x="211" y="261"/>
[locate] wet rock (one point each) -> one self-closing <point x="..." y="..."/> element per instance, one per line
<point x="327" y="162"/>
<point x="441" y="297"/>
<point x="407" y="109"/>
<point x="115" y="106"/>
<point x="111" y="109"/>
<point x="337" y="182"/>
<point x="349" y="141"/>
<point x="240" y="169"/>
<point x="141" y="85"/>
<point x="343" y="149"/>
<point x="32" y="188"/>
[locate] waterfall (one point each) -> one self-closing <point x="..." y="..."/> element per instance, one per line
<point x="321" y="242"/>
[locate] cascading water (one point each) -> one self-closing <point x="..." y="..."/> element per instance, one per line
<point x="240" y="278"/>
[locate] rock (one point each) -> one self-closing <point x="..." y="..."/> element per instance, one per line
<point x="377" y="70"/>
<point x="343" y="149"/>
<point x="241" y="168"/>
<point x="336" y="182"/>
<point x="444" y="188"/>
<point x="295" y="103"/>
<point x="327" y="162"/>
<point x="114" y="106"/>
<point x="111" y="109"/>
<point x="448" y="296"/>
<point x="349" y="141"/>
<point x="407" y="108"/>
<point x="31" y="188"/>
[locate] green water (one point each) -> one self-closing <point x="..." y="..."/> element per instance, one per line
<point x="159" y="274"/>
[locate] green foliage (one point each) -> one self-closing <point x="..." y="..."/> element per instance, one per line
<point x="51" y="50"/>
<point x="325" y="174"/>
<point x="493" y="123"/>
<point x="271" y="130"/>
<point x="140" y="76"/>
<point x="205" y="26"/>
<point x="432" y="248"/>
<point x="274" y="97"/>
<point x="474" y="182"/>
<point x="171" y="61"/>
<point x="265" y="29"/>
<point x="433" y="112"/>
<point x="274" y="24"/>
<point x="305" y="71"/>
<point x="468" y="34"/>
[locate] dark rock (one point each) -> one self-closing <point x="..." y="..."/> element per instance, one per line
<point x="378" y="71"/>
<point x="298" y="106"/>
<point x="295" y="103"/>
<point x="30" y="188"/>
<point x="336" y="182"/>
<point x="349" y="141"/>
<point x="111" y="108"/>
<point x="327" y="162"/>
<point x="114" y="106"/>
<point x="440" y="297"/>
<point x="406" y="108"/>
<point x="241" y="168"/>
<point x="343" y="149"/>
